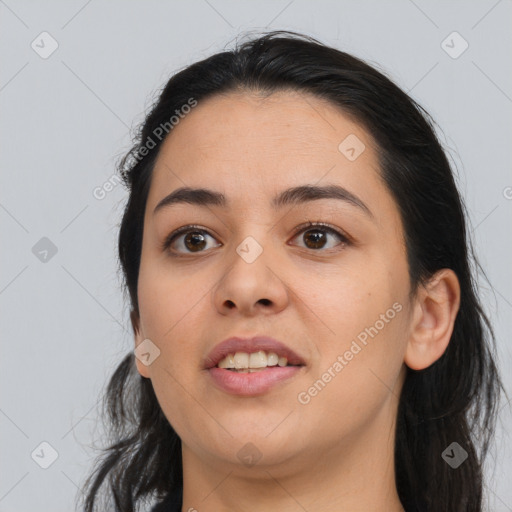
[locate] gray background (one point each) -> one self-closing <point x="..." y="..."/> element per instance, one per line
<point x="66" y="119"/>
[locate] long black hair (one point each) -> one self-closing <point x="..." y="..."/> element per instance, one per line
<point x="454" y="399"/>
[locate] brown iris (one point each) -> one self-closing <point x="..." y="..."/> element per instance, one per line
<point x="196" y="240"/>
<point x="317" y="238"/>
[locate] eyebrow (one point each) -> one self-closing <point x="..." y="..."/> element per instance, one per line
<point x="292" y="196"/>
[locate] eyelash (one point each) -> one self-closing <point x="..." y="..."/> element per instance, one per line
<point x="345" y="240"/>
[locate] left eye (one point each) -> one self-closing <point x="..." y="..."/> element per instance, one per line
<point x="316" y="236"/>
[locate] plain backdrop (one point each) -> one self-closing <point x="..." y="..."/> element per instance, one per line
<point x="66" y="118"/>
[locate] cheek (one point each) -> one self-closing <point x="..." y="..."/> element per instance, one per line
<point x="356" y="378"/>
<point x="167" y="298"/>
<point x="364" y="315"/>
<point x="170" y="308"/>
<point x="348" y="300"/>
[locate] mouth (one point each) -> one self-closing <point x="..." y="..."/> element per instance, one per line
<point x="254" y="353"/>
<point x="252" y="366"/>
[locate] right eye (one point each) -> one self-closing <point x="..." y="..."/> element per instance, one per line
<point x="188" y="239"/>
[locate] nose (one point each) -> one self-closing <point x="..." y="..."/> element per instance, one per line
<point x="252" y="283"/>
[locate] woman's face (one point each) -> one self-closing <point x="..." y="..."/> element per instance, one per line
<point x="338" y="301"/>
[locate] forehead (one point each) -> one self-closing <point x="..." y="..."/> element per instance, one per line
<point x="247" y="145"/>
<point x="263" y="126"/>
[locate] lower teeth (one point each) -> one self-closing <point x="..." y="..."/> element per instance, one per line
<point x="250" y="370"/>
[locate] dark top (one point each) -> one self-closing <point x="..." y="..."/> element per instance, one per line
<point x="171" y="503"/>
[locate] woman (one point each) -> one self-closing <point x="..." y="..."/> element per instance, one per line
<point x="307" y="331"/>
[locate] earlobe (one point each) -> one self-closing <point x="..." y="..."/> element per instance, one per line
<point x="435" y="309"/>
<point x="138" y="338"/>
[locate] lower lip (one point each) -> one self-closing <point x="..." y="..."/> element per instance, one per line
<point x="251" y="384"/>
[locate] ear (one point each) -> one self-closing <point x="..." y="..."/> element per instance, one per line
<point x="435" y="308"/>
<point x="139" y="338"/>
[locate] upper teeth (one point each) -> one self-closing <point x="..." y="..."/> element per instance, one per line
<point x="241" y="360"/>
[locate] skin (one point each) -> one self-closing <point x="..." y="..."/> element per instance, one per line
<point x="336" y="451"/>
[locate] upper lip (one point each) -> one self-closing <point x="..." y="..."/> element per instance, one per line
<point x="250" y="345"/>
